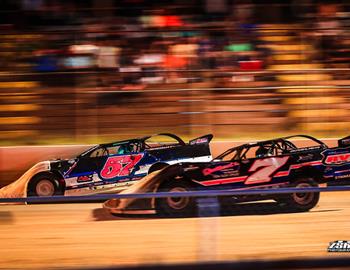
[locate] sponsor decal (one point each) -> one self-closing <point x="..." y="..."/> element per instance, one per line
<point x="339" y="246"/>
<point x="119" y="184"/>
<point x="342" y="176"/>
<point x="117" y="166"/>
<point x="208" y="171"/>
<point x="268" y="186"/>
<point x="84" y="178"/>
<point x="310" y="148"/>
<point x="263" y="170"/>
<point x="305" y="157"/>
<point x="199" y="141"/>
<point x="163" y="147"/>
<point x="336" y="157"/>
<point x="222" y="181"/>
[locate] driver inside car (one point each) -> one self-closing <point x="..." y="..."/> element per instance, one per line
<point x="123" y="149"/>
<point x="263" y="152"/>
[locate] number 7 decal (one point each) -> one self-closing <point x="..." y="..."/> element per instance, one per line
<point x="263" y="169"/>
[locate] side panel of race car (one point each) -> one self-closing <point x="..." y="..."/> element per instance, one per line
<point x="119" y="171"/>
<point x="257" y="172"/>
<point x="337" y="161"/>
<point x="232" y="175"/>
<point x="107" y="171"/>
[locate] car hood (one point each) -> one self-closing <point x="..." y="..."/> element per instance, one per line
<point x="62" y="165"/>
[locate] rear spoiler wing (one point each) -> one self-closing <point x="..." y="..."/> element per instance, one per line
<point x="344" y="141"/>
<point x="202" y="140"/>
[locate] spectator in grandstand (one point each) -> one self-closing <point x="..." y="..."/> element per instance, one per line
<point x="206" y="47"/>
<point x="107" y="61"/>
<point x="107" y="55"/>
<point x="160" y="18"/>
<point x="129" y="71"/>
<point x="328" y="30"/>
<point x="151" y="61"/>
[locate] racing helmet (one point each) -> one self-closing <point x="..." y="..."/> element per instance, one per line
<point x="262" y="152"/>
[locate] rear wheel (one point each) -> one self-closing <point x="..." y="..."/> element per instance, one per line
<point x="175" y="206"/>
<point x="302" y="201"/>
<point x="44" y="185"/>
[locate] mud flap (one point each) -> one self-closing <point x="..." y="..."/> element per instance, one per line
<point x="147" y="184"/>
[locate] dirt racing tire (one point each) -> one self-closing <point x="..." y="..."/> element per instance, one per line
<point x="302" y="202"/>
<point x="44" y="185"/>
<point x="175" y="207"/>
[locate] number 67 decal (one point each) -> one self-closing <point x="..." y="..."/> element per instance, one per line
<point x="263" y="169"/>
<point x="116" y="166"/>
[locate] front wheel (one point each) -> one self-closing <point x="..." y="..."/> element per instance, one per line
<point x="302" y="201"/>
<point x="44" y="185"/>
<point x="175" y="206"/>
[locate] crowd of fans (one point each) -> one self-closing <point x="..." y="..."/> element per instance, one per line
<point x="157" y="43"/>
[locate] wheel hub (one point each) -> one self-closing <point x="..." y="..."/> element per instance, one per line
<point x="178" y="202"/>
<point x="303" y="198"/>
<point x="45" y="188"/>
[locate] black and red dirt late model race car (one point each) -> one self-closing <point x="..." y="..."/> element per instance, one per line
<point x="273" y="163"/>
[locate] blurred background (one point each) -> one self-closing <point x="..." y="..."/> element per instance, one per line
<point x="89" y="71"/>
<point x="94" y="70"/>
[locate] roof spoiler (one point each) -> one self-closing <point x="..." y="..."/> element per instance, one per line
<point x="344" y="141"/>
<point x="202" y="140"/>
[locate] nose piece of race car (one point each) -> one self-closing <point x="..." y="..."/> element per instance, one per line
<point x="111" y="204"/>
<point x="128" y="206"/>
<point x="147" y="184"/>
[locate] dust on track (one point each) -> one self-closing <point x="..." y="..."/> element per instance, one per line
<point x="77" y="235"/>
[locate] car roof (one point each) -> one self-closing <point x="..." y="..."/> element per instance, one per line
<point x="281" y="139"/>
<point x="144" y="138"/>
<point x="271" y="141"/>
<point x="139" y="139"/>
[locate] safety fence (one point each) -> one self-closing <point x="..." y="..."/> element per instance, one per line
<point x="78" y="114"/>
<point x="198" y="194"/>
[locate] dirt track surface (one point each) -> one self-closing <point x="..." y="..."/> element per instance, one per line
<point x="77" y="235"/>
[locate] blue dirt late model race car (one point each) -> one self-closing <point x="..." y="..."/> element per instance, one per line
<point x="273" y="163"/>
<point x="114" y="166"/>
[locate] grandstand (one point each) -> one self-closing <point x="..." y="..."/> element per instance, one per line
<point x="173" y="70"/>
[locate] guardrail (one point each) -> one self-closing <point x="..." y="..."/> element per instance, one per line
<point x="209" y="193"/>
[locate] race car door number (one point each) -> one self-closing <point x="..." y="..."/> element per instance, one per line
<point x="119" y="166"/>
<point x="263" y="169"/>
